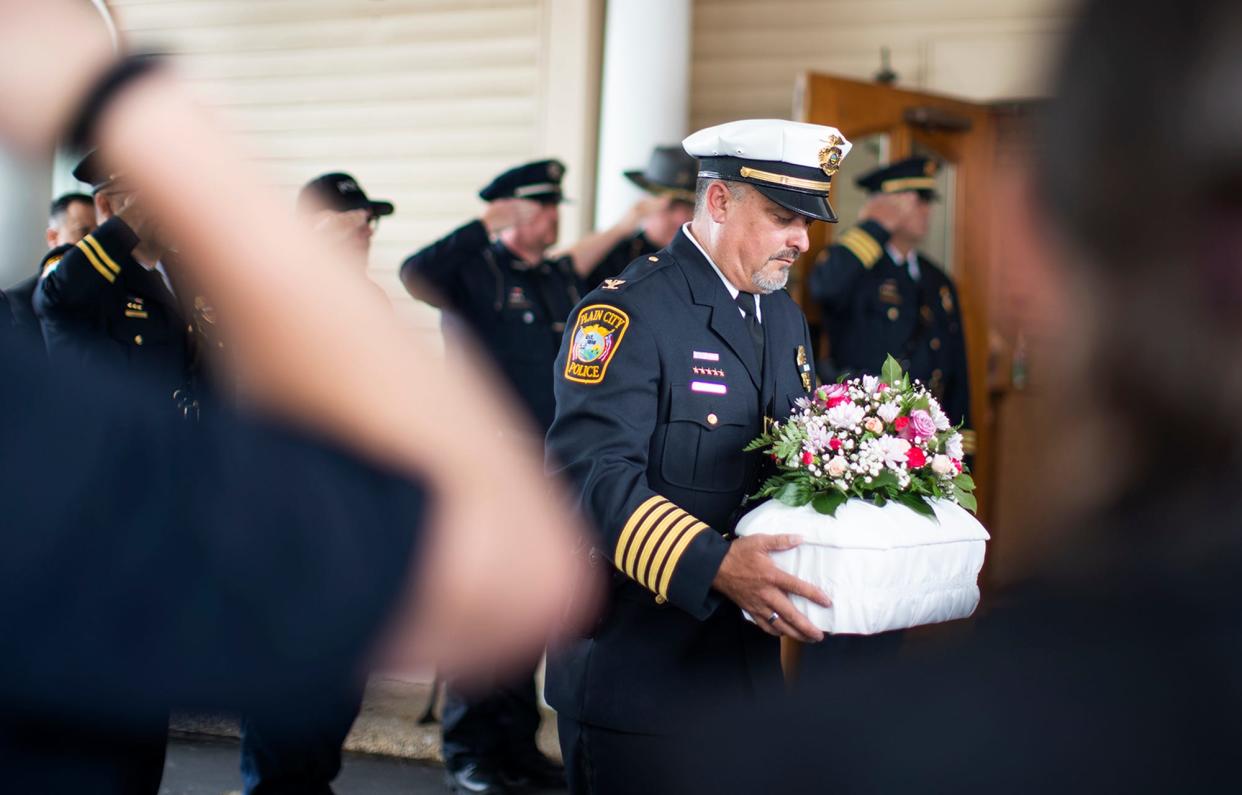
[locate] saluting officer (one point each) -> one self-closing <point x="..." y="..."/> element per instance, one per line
<point x="665" y="374"/>
<point x="493" y="277"/>
<point x="880" y="296"/>
<point x="651" y="223"/>
<point x="110" y="299"/>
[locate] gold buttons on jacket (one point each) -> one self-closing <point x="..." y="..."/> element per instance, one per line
<point x="712" y="419"/>
<point x="137" y="339"/>
<point x="893" y="313"/>
<point x="935" y="343"/>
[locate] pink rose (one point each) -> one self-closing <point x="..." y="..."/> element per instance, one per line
<point x="874" y="425"/>
<point x="915" y="458"/>
<point x="921" y="425"/>
<point x="833" y="394"/>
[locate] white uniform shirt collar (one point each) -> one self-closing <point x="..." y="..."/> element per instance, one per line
<point x="911" y="261"/>
<point x="733" y="291"/>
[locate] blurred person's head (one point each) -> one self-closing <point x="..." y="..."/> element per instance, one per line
<point x="537" y="228"/>
<point x="114" y="194"/>
<point x="902" y="193"/>
<point x="339" y="210"/>
<point x="1139" y="171"/>
<point x="761" y="184"/>
<point x="670" y="173"/>
<point x="70" y="218"/>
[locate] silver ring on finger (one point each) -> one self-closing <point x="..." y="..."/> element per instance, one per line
<point x="773" y="618"/>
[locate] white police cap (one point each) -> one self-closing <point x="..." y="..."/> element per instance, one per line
<point x="790" y="162"/>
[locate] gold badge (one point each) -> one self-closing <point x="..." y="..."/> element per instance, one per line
<point x="804" y="368"/>
<point x="597" y="334"/>
<point x="830" y="156"/>
<point x="946" y="299"/>
<point x="555" y="171"/>
<point x="929" y="168"/>
<point x="613" y="284"/>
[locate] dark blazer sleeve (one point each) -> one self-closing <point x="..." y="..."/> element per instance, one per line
<point x="838" y="268"/>
<point x="149" y="561"/>
<point x="600" y="439"/>
<point x="90" y="268"/>
<point x="440" y="266"/>
<point x="958" y="392"/>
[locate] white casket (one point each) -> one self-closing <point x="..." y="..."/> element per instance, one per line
<point x="884" y="568"/>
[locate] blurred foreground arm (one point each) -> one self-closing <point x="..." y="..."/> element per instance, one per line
<point x="499" y="535"/>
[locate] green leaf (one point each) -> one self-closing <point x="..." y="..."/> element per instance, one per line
<point x="795" y="495"/>
<point x="966" y="500"/>
<point x="886" y="478"/>
<point x="916" y="503"/>
<point x="891" y="373"/>
<point x="964" y="482"/>
<point x="880" y="500"/>
<point x="756" y="444"/>
<point x="828" y="502"/>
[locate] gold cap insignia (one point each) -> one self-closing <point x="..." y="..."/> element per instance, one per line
<point x="555" y="171"/>
<point x="929" y="168"/>
<point x="830" y="156"/>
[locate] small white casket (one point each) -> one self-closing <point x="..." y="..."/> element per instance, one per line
<point x="884" y="568"/>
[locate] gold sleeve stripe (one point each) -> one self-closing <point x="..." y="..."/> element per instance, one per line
<point x="628" y="532"/>
<point x="669" y="564"/>
<point x="658" y="517"/>
<point x="95" y="263"/>
<point x="648" y="564"/>
<point x="90" y="240"/>
<point x="863" y="246"/>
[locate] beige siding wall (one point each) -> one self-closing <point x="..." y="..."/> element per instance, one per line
<point x="422" y="100"/>
<point x="748" y="53"/>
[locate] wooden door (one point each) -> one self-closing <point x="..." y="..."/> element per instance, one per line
<point x="886" y="124"/>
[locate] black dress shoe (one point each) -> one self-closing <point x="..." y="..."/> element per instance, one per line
<point x="533" y="771"/>
<point x="475" y="779"/>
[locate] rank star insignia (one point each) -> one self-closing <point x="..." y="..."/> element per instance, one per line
<point x="613" y="284"/>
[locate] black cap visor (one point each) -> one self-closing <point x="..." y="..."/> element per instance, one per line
<point x="812" y="205"/>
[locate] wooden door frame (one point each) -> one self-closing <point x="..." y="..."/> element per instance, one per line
<point x="860" y="109"/>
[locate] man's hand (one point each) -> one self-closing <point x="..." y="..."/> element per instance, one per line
<point x="504" y="213"/>
<point x="890" y="210"/>
<point x="642" y="210"/>
<point x="748" y="576"/>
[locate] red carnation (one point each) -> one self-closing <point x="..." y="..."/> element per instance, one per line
<point x="957" y="464"/>
<point x="900" y="424"/>
<point x="915" y="458"/>
<point x="837" y="401"/>
<point x="807" y="458"/>
<point x="834" y="443"/>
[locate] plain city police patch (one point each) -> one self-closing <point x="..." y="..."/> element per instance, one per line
<point x="598" y="332"/>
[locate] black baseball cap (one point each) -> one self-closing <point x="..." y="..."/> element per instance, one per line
<point x="341" y="192"/>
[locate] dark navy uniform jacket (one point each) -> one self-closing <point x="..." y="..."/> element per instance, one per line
<point x="515" y="311"/>
<point x="97" y="305"/>
<point x="21" y="297"/>
<point x="658" y="389"/>
<point x="620" y="258"/>
<point x="873" y="308"/>
<point x="232" y="564"/>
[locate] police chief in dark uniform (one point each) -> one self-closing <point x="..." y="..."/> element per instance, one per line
<point x="494" y="281"/>
<point x="880" y="296"/>
<point x="110" y="300"/>
<point x="664" y="375"/>
<point x="669" y="178"/>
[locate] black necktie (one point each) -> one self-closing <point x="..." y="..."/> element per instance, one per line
<point x="750" y="310"/>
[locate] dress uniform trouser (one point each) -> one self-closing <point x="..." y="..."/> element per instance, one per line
<point x="490" y="724"/>
<point x="297" y="751"/>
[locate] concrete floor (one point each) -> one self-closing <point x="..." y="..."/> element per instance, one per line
<point x="208" y="766"/>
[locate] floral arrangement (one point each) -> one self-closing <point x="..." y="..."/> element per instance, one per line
<point x="875" y="438"/>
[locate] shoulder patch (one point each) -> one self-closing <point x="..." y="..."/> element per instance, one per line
<point x="861" y="245"/>
<point x="598" y="331"/>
